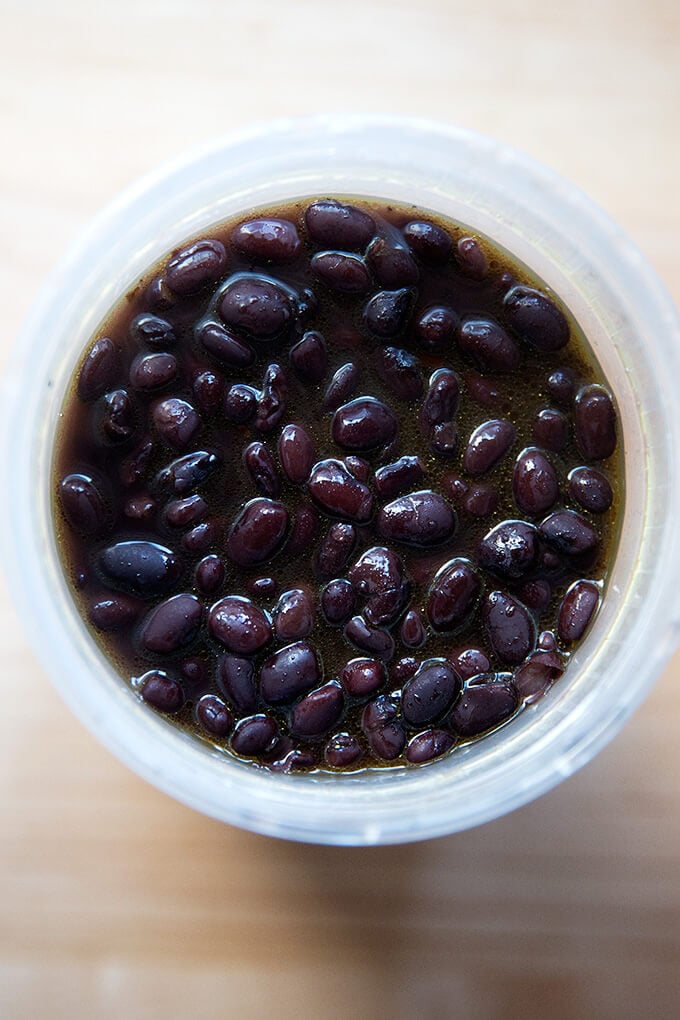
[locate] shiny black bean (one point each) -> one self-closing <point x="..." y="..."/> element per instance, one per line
<point x="208" y="389"/>
<point x="82" y="503"/>
<point x="486" y="393"/>
<point x="428" y="241"/>
<point x="383" y="608"/>
<point x="341" y="387"/>
<point x="591" y="489"/>
<point x="309" y="357"/>
<point x="377" y="570"/>
<point x="152" y="331"/>
<point x="483" y="706"/>
<point x="436" y="327"/>
<point x="236" y="680"/>
<point x="562" y="386"/>
<point x="176" y="421"/>
<point x="239" y="625"/>
<point x="454" y="596"/>
<point x="487" y="446"/>
<point x="481" y="500"/>
<point x="488" y="345"/>
<point x="210" y="574"/>
<point x="378" y="712"/>
<point x="193" y="267"/>
<point x="114" y="612"/>
<point x="342" y="750"/>
<point x="595" y="423"/>
<point x="262" y="469"/>
<point x="535" y="676"/>
<point x="144" y="568"/>
<point x="412" y="631"/>
<point x="441" y="401"/>
<point x="335" y="550"/>
<point x="140" y="508"/>
<point x="303" y="531"/>
<point x="296" y="453"/>
<point x="510" y="549"/>
<point x="181" y="512"/>
<point x="161" y="691"/>
<point x="428" y="745"/>
<point x="294" y="615"/>
<point x="173" y="623"/>
<point x="262" y="587"/>
<point x="577" y="609"/>
<point x="403" y="669"/>
<point x="337" y="602"/>
<point x="547" y="641"/>
<point x="509" y="626"/>
<point x="295" y="760"/>
<point x="188" y="472"/>
<point x="318" y="712"/>
<point x="271" y="404"/>
<point x="133" y="467"/>
<point x="387" y="312"/>
<point x="201" y="537"/>
<point x="267" y="240"/>
<point x="536" y="318"/>
<point x="534" y="482"/>
<point x="152" y="371"/>
<point x="359" y="467"/>
<point x="338" y="493"/>
<point x="569" y="533"/>
<point x="99" y="370"/>
<point x="551" y="430"/>
<point x="290" y="672"/>
<point x="240" y="403"/>
<point x="374" y="640"/>
<point x="419" y="518"/>
<point x="392" y="263"/>
<point x="429" y="694"/>
<point x="258" y="532"/>
<point x="333" y="223"/>
<point x="444" y="439"/>
<point x="363" y="677"/>
<point x="159" y="295"/>
<point x="213" y="716"/>
<point x="341" y="271"/>
<point x="401" y="372"/>
<point x="117" y="416"/>
<point x="387" y="742"/>
<point x="256" y="304"/>
<point x="254" y="736"/>
<point x="364" y="424"/>
<point x="402" y="474"/>
<point x="470" y="662"/>
<point x="471" y="258"/>
<point x="536" y="594"/>
<point x="225" y="345"/>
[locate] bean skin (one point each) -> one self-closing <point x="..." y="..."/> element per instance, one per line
<point x="144" y="568"/>
<point x="254" y="736"/>
<point x="373" y="640"/>
<point x="188" y="472"/>
<point x="444" y="439"/>
<point x="391" y="479"/>
<point x="236" y="680"/>
<point x="176" y="421"/>
<point x="161" y="692"/>
<point x="483" y="706"/>
<point x="454" y="596"/>
<point x="258" y="532"/>
<point x="267" y="240"/>
<point x="387" y="742"/>
<point x="487" y="446"/>
<point x="288" y="673"/>
<point x="535" y="318"/>
<point x="471" y="258"/>
<point x="99" y="370"/>
<point x="294" y="615"/>
<point x="240" y="403"/>
<point x="401" y="372"/>
<point x="82" y="503"/>
<point x="239" y="625"/>
<point x="386" y="313"/>
<point x="296" y="453"/>
<point x="359" y="467"/>
<point x="392" y="263"/>
<point x="591" y="489"/>
<point x="225" y="345"/>
<point x="341" y="387"/>
<point x="257" y="305"/>
<point x="470" y="662"/>
<point x="132" y="468"/>
<point x="428" y="745"/>
<point x="441" y="401"/>
<point x="152" y="371"/>
<point x="576" y="610"/>
<point x="347" y="274"/>
<point x="213" y="716"/>
<point x="208" y="389"/>
<point x="384" y="608"/>
<point x="342" y="750"/>
<point x="412" y="632"/>
<point x="551" y="430"/>
<point x="534" y="482"/>
<point x="436" y="327"/>
<point x="429" y="694"/>
<point x="562" y="386"/>
<point x="569" y="533"/>
<point x="194" y="267"/>
<point x="271" y="403"/>
<point x="336" y="492"/>
<point x="210" y="574"/>
<point x="115" y="612"/>
<point x="337" y="602"/>
<point x="262" y="469"/>
<point x="363" y="677"/>
<point x="201" y="537"/>
<point x="334" y="223"/>
<point x="318" y="712"/>
<point x="429" y="242"/>
<point x="595" y="423"/>
<point x="118" y="416"/>
<point x="419" y="518"/>
<point x="535" y="676"/>
<point x="309" y="357"/>
<point x="171" y="624"/>
<point x="488" y="345"/>
<point x="509" y="626"/>
<point x="152" y="331"/>
<point x="335" y="550"/>
<point x="363" y="424"/>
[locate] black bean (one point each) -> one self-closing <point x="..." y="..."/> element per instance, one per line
<point x="132" y="468"/>
<point x="535" y="676"/>
<point x="213" y="716"/>
<point x="338" y="493"/>
<point x="171" y="624"/>
<point x="509" y="626"/>
<point x="595" y="423"/>
<point x="428" y="745"/>
<point x="161" y="691"/>
<point x="387" y="312"/>
<point x="536" y="594"/>
<point x="263" y="587"/>
<point x="377" y="570"/>
<point x="254" y="736"/>
<point x="379" y="712"/>
<point x="258" y="532"/>
<point x="471" y="258"/>
<point x="294" y="615"/>
<point x="335" y="550"/>
<point x="481" y="500"/>
<point x="403" y="669"/>
<point x="342" y="750"/>
<point x="239" y="625"/>
<point x="341" y="271"/>
<point x="483" y="706"/>
<point x="152" y="331"/>
<point x="470" y="662"/>
<point x="444" y="439"/>
<point x="296" y="453"/>
<point x="267" y="240"/>
<point x="201" y="537"/>
<point x="290" y="672"/>
<point x="271" y="404"/>
<point x="488" y="345"/>
<point x="240" y="403"/>
<point x="547" y="641"/>
<point x="591" y="489"/>
<point x="359" y="467"/>
<point x="454" y="596"/>
<point x="441" y="401"/>
<point x="225" y="345"/>
<point x="536" y="318"/>
<point x="181" y="512"/>
<point x="208" y="389"/>
<point x="82" y="503"/>
<point x="262" y="469"/>
<point x="562" y="386"/>
<point x="551" y="430"/>
<point x="318" y="712"/>
<point x="303" y="531"/>
<point x="569" y="533"/>
<point x="256" y="304"/>
<point x="210" y="574"/>
<point x="392" y="263"/>
<point x="412" y="632"/>
<point x="341" y="387"/>
<point x="419" y="518"/>
<point x="309" y="357"/>
<point x="577" y="609"/>
<point x="140" y="508"/>
<point x="436" y="327"/>
<point x="333" y="223"/>
<point x="143" y="567"/>
<point x="401" y="372"/>
<point x="117" y="416"/>
<point x="176" y="421"/>
<point x="99" y="370"/>
<point x="374" y="640"/>
<point x="430" y="693"/>
<point x="188" y="472"/>
<point x="114" y="612"/>
<point x="294" y="760"/>
<point x="363" y="424"/>
<point x="362" y="677"/>
<point x="337" y="602"/>
<point x="195" y="672"/>
<point x="387" y="742"/>
<point x="383" y="608"/>
<point x="487" y="446"/>
<point x="159" y="295"/>
<point x="391" y="479"/>
<point x="194" y="267"/>
<point x="534" y="482"/>
<point x="152" y="371"/>
<point x="486" y="393"/>
<point x="428" y="241"/>
<point x="236" y="680"/>
<point x="510" y="549"/>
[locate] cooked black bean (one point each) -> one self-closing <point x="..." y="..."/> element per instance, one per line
<point x="213" y="716"/>
<point x="378" y="712"/>
<point x="262" y="587"/>
<point x="481" y="500"/>
<point x="454" y="596"/>
<point x="225" y="345"/>
<point x="201" y="537"/>
<point x="536" y="675"/>
<point x="488" y="345"/>
<point x="569" y="533"/>
<point x="387" y="312"/>
<point x="441" y="401"/>
<point x="294" y="615"/>
<point x="240" y="403"/>
<point x="364" y="424"/>
<point x="534" y="482"/>
<point x="117" y="416"/>
<point x="208" y="388"/>
<point x="471" y="258"/>
<point x="341" y="387"/>
<point x="267" y="240"/>
<point x="428" y="745"/>
<point x="428" y="241"/>
<point x="335" y="550"/>
<point x="318" y="712"/>
<point x="402" y="474"/>
<point x="377" y="570"/>
<point x="551" y="430"/>
<point x="258" y="532"/>
<point x="591" y="489"/>
<point x="309" y="357"/>
<point x="99" y="369"/>
<point x="436" y="327"/>
<point x="392" y="263"/>
<point x="140" y="508"/>
<point x="387" y="742"/>
<point x="132" y="467"/>
<point x="161" y="691"/>
<point x="236" y="680"/>
<point x="562" y="386"/>
<point x="262" y="469"/>
<point x="577" y="609"/>
<point x="510" y="628"/>
<point x="359" y="467"/>
<point x="82" y="503"/>
<point x="412" y="631"/>
<point x="296" y="453"/>
<point x="193" y="267"/>
<point x="535" y="594"/>
<point x="254" y="736"/>
<point x="403" y="669"/>
<point x="376" y="640"/>
<point x="180" y="512"/>
<point x="444" y="439"/>
<point x="385" y="607"/>
<point x="536" y="318"/>
<point x="256" y="304"/>
<point x="290" y="672"/>
<point x="401" y="372"/>
<point x="145" y="568"/>
<point x="171" y="624"/>
<point x="486" y="393"/>
<point x="338" y="493"/>
<point x="210" y="574"/>
<point x="470" y="662"/>
<point x="337" y="601"/>
<point x="239" y="625"/>
<point x="159" y="296"/>
<point x="302" y="531"/>
<point x="152" y="371"/>
<point x="176" y="421"/>
<point x="188" y="472"/>
<point x="342" y="750"/>
<point x="363" y="677"/>
<point x="271" y="402"/>
<point x="595" y="422"/>
<point x="487" y="446"/>
<point x="341" y="271"/>
<point x="429" y="694"/>
<point x="482" y="706"/>
<point x="152" y="331"/>
<point x="333" y="223"/>
<point x="420" y="518"/>
<point x="115" y="612"/>
<point x="547" y="641"/>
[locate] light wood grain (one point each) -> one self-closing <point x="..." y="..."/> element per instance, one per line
<point x="114" y="900"/>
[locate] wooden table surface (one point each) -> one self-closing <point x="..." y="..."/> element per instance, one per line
<point x="115" y="901"/>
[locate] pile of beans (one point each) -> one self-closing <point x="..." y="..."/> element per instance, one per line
<point x="338" y="486"/>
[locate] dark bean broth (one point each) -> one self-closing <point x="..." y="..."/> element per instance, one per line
<point x="99" y="433"/>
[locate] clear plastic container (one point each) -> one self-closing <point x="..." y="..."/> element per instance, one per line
<point x="635" y="333"/>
